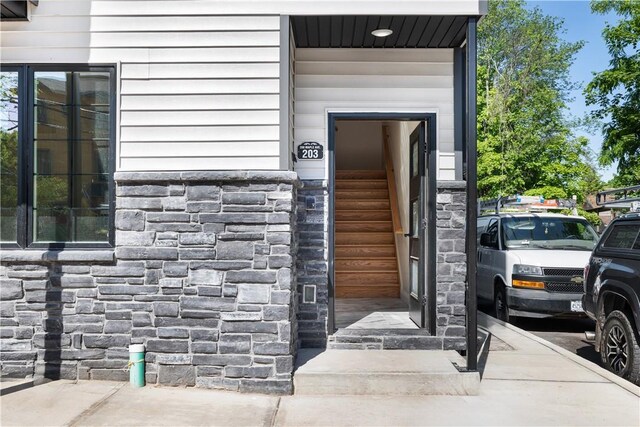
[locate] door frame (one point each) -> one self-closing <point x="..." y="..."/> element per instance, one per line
<point x="431" y="135"/>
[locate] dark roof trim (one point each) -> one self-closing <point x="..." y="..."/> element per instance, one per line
<point x="349" y="31"/>
<point x="16" y="10"/>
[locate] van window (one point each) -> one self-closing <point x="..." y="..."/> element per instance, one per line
<point x="623" y="236"/>
<point x="482" y="226"/>
<point x="538" y="232"/>
<point x="492" y="230"/>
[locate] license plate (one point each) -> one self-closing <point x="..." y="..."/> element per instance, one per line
<point x="576" y="306"/>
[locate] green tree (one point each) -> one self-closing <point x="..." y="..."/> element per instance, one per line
<point x="616" y="91"/>
<point x="524" y="140"/>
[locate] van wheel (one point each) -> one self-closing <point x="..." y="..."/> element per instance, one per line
<point x="619" y="349"/>
<point x="500" y="305"/>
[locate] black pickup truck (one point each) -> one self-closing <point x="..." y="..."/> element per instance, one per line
<point x="612" y="296"/>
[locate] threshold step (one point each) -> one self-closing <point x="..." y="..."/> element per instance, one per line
<point x="381" y="372"/>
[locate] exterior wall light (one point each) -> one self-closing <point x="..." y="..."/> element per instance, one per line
<point x="382" y="32"/>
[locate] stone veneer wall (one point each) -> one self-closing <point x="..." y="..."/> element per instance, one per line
<point x="203" y="274"/>
<point x="451" y="264"/>
<point x="312" y="268"/>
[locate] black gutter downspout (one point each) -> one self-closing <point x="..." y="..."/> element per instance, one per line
<point x="472" y="195"/>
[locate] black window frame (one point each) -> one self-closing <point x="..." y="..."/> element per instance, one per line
<point x="26" y="101"/>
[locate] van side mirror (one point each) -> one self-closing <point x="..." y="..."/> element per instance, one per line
<point x="485" y="240"/>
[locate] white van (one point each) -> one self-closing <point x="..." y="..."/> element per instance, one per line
<point x="531" y="264"/>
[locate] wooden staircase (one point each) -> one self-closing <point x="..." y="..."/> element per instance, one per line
<point x="365" y="253"/>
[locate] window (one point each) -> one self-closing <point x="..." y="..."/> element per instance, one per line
<point x="622" y="236"/>
<point x="57" y="156"/>
<point x="492" y="231"/>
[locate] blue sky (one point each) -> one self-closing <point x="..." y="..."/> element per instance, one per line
<point x="581" y="24"/>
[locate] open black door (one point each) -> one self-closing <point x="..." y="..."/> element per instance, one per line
<point x="418" y="226"/>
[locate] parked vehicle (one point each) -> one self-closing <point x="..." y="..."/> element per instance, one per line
<point x="612" y="296"/>
<point x="531" y="264"/>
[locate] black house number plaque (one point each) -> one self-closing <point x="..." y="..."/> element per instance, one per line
<point x="310" y="151"/>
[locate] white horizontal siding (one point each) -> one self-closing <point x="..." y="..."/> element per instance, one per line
<point x="372" y="80"/>
<point x="196" y="91"/>
<point x="256" y="7"/>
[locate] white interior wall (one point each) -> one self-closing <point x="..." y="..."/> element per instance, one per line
<point x="359" y="145"/>
<point x="398" y="137"/>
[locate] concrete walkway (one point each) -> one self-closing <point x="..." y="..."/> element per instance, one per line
<point x="526" y="381"/>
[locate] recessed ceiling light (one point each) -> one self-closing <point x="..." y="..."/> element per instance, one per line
<point x="382" y="32"/>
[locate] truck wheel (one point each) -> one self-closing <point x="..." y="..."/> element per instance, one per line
<point x="500" y="305"/>
<point x="619" y="349"/>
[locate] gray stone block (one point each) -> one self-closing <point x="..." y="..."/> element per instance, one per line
<point x="50" y="296"/>
<point x="173" y="359"/>
<point x="147" y="253"/>
<point x="199" y="253"/>
<point x="204" y="347"/>
<point x="35" y="285"/>
<point x="177" y="375"/>
<point x="271" y="348"/>
<point x="250" y="276"/>
<point x="173" y="333"/>
<point x="127" y="290"/>
<point x="207" y="303"/>
<point x="210" y="291"/>
<point x="174" y="203"/>
<point x="208" y="335"/>
<point x="253" y="294"/>
<point x="241" y="316"/>
<point x="203" y="192"/>
<point x="279" y="261"/>
<point x="142" y="190"/>
<point x="279" y="238"/>
<point x="145" y="203"/>
<point x="171" y="283"/>
<point x="175" y="268"/>
<point x="118" y="315"/>
<point x="117" y="327"/>
<point x="167" y="309"/>
<point x="106" y="341"/>
<point x="168" y="217"/>
<point x="72" y="281"/>
<point x="129" y="220"/>
<point x="235" y="344"/>
<point x="141" y="320"/>
<point x="208" y="371"/>
<point x="123" y="269"/>
<point x="250" y="327"/>
<point x="279" y="218"/>
<point x="234" y="250"/>
<point x="244" y="198"/>
<point x="10" y="289"/>
<point x="205" y="277"/>
<point x="197" y="239"/>
<point x="276" y="312"/>
<point x="173" y="226"/>
<point x="167" y="346"/>
<point x="248" y="371"/>
<point x="221" y="359"/>
<point x="204" y="207"/>
<point x="234" y="218"/>
<point x="7" y="309"/>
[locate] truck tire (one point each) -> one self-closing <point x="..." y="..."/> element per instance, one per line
<point x="500" y="305"/>
<point x="619" y="348"/>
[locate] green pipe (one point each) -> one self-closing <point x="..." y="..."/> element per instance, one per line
<point x="136" y="365"/>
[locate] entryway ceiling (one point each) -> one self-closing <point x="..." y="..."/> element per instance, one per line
<point x="355" y="31"/>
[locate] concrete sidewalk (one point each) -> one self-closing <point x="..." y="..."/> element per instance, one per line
<point x="526" y="381"/>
